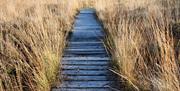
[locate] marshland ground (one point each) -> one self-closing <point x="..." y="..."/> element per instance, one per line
<point x="142" y="36"/>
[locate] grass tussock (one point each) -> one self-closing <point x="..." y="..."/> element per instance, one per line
<point x="32" y="38"/>
<point x="142" y="38"/>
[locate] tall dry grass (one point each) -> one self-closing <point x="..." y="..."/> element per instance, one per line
<point x="140" y="39"/>
<point x="141" y="36"/>
<point x="32" y="38"/>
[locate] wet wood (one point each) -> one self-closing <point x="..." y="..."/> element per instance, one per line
<point x="86" y="84"/>
<point x="82" y="89"/>
<point x="85" y="64"/>
<point x="84" y="67"/>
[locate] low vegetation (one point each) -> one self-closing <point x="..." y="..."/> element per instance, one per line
<point x="32" y="38"/>
<point x="143" y="37"/>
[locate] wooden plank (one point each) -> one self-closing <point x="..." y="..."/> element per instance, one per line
<point x="84" y="23"/>
<point x="85" y="39"/>
<point x="85" y="55"/>
<point x="88" y="28"/>
<point x="86" y="84"/>
<point x="81" y="89"/>
<point x="85" y="50"/>
<point x="82" y="16"/>
<point x="78" y="23"/>
<point x="87" y="34"/>
<point x="84" y="67"/>
<point x="86" y="72"/>
<point x="85" y="43"/>
<point x="87" y="12"/>
<point x="72" y="62"/>
<point x="86" y="58"/>
<point x="86" y="47"/>
<point x="86" y="18"/>
<point x="88" y="64"/>
<point x="93" y="30"/>
<point x="85" y="78"/>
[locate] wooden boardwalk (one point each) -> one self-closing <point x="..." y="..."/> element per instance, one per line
<point x="85" y="65"/>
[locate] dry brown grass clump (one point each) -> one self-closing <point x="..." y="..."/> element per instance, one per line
<point x="140" y="37"/>
<point x="32" y="38"/>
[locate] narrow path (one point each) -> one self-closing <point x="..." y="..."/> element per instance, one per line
<point x="85" y="63"/>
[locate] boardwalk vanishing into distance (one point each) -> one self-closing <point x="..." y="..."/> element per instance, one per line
<point x="85" y="65"/>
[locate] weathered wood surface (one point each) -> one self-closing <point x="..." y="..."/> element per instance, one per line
<point x="85" y="65"/>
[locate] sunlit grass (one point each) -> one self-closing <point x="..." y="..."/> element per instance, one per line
<point x="142" y="36"/>
<point x="139" y="35"/>
<point x="32" y="39"/>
